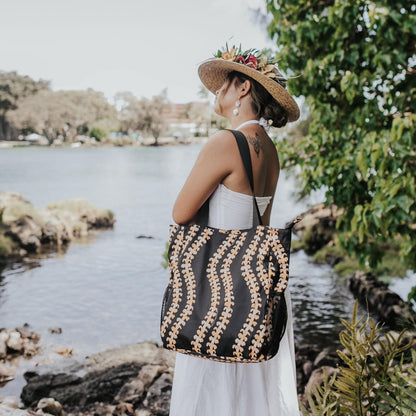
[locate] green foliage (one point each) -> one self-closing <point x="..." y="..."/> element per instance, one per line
<point x="389" y="266"/>
<point x="6" y="245"/>
<point x="98" y="133"/>
<point x="14" y="87"/>
<point x="358" y="61"/>
<point x="144" y="115"/>
<point x="411" y="297"/>
<point x="65" y="113"/>
<point x="165" y="262"/>
<point x="374" y="380"/>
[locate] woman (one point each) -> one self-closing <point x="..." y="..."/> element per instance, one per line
<point x="249" y="90"/>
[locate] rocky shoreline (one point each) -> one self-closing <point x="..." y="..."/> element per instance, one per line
<point x="317" y="233"/>
<point x="15" y="343"/>
<point x="27" y="230"/>
<point x="135" y="380"/>
<point x="130" y="380"/>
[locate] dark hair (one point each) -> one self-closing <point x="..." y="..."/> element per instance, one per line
<point x="263" y="104"/>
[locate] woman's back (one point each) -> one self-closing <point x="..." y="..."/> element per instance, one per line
<point x="233" y="210"/>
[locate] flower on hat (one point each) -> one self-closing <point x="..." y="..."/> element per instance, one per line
<point x="255" y="59"/>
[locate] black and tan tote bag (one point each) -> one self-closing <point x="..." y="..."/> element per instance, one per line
<point x="225" y="297"/>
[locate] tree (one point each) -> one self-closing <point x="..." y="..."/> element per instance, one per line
<point x="200" y="114"/>
<point x="144" y="115"/>
<point x="128" y="106"/>
<point x="151" y="117"/>
<point x="13" y="88"/>
<point x="358" y="60"/>
<point x="62" y="113"/>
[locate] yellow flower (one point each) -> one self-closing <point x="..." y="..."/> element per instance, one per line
<point x="232" y="52"/>
<point x="262" y="61"/>
<point x="268" y="68"/>
<point x="270" y="74"/>
<point x="226" y="55"/>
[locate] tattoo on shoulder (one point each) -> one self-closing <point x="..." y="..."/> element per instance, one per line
<point x="257" y="144"/>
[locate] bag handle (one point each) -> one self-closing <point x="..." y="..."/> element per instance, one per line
<point x="246" y="158"/>
<point x="244" y="150"/>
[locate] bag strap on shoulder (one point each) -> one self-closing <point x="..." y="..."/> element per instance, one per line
<point x="246" y="158"/>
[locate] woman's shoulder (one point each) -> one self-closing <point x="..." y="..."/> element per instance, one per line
<point x="221" y="137"/>
<point x="221" y="142"/>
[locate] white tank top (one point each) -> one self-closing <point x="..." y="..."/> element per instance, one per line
<point x="233" y="210"/>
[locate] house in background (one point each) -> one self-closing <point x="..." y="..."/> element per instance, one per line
<point x="188" y="120"/>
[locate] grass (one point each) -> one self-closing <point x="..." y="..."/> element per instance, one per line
<point x="389" y="266"/>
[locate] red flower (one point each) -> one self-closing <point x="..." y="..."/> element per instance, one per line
<point x="240" y="59"/>
<point x="251" y="61"/>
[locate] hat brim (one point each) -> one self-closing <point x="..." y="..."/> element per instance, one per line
<point x="214" y="71"/>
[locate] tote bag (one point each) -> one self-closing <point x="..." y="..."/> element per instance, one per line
<point x="225" y="298"/>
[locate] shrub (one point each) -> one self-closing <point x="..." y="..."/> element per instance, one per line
<point x="378" y="377"/>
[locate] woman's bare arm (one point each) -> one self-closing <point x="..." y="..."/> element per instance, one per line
<point x="214" y="163"/>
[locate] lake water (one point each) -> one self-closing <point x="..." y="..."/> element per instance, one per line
<point x="106" y="291"/>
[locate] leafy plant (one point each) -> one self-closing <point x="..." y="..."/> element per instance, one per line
<point x="375" y="379"/>
<point x="357" y="58"/>
<point x="98" y="133"/>
<point x="165" y="262"/>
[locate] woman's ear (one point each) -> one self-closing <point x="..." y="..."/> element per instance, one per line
<point x="245" y="87"/>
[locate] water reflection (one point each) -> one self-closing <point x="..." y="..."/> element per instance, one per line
<point x="106" y="290"/>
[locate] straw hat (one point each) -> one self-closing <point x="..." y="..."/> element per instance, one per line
<point x="213" y="73"/>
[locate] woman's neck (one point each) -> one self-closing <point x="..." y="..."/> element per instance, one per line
<point x="237" y="121"/>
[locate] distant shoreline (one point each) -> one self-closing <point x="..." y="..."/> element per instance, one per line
<point x="149" y="141"/>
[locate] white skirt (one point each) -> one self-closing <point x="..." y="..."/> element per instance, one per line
<point x="209" y="388"/>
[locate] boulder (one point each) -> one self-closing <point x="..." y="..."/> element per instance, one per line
<point x="386" y="304"/>
<point x="50" y="406"/>
<point x="10" y="401"/>
<point x="6" y="373"/>
<point x="26" y="232"/>
<point x="14" y="342"/>
<point x="317" y="227"/>
<point x="29" y="229"/>
<point x="10" y="411"/>
<point x="138" y="375"/>
<point x="317" y="377"/>
<point x="158" y="397"/>
<point x="4" y="336"/>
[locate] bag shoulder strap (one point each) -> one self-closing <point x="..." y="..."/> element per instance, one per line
<point x="246" y="158"/>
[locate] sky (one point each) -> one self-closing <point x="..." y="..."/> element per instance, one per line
<point x="142" y="46"/>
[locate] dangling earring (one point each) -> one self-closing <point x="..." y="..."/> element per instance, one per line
<point x="237" y="104"/>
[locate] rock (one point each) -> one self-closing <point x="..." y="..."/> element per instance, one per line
<point x="123" y="409"/>
<point x="135" y="389"/>
<point x="326" y="358"/>
<point x="388" y="305"/>
<point x="26" y="232"/>
<point x="307" y="368"/>
<point x="63" y="350"/>
<point x="14" y="341"/>
<point x="35" y="230"/>
<point x="6" y="373"/>
<point x="4" y="336"/>
<point x="9" y="411"/>
<point x="143" y="412"/>
<point x="158" y="396"/>
<point x="55" y="330"/>
<point x="317" y="227"/>
<point x="317" y="377"/>
<point x="51" y="406"/>
<point x="26" y="332"/>
<point x="10" y="401"/>
<point x="127" y="373"/>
